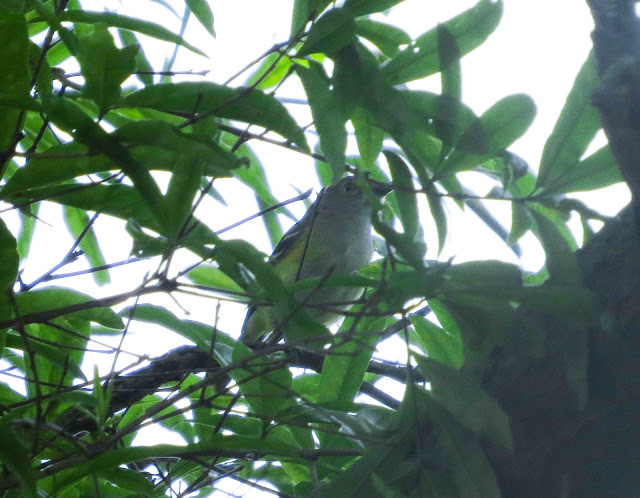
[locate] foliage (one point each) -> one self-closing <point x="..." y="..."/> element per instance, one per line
<point x="96" y="145"/>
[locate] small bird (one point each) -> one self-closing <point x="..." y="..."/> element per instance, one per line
<point x="332" y="238"/>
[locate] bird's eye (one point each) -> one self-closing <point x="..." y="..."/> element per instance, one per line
<point x="348" y="187"/>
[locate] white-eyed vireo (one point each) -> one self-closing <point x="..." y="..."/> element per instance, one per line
<point x="332" y="238"/>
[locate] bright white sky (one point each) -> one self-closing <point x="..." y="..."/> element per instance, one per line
<point x="537" y="49"/>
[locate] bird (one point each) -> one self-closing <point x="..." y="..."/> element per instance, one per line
<point x="332" y="238"/>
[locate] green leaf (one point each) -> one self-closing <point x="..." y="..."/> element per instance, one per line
<point x="407" y="202"/>
<point x="142" y="64"/>
<point x="366" y="7"/>
<point x="27" y="228"/>
<point x="51" y="17"/>
<point x="521" y="221"/>
<point x="449" y="56"/>
<point x="386" y="37"/>
<point x="438" y="213"/>
<point x="328" y="117"/>
<point x="8" y="274"/>
<point x="183" y="186"/>
<point x="16" y="457"/>
<point x="159" y="134"/>
<point x="77" y="220"/>
<point x="130" y="23"/>
<point x="420" y="122"/>
<point x="130" y="480"/>
<point x="72" y="119"/>
<point x="577" y="125"/>
<point x="39" y="172"/>
<point x="104" y="67"/>
<point x="199" y="333"/>
<point x="437" y="342"/>
<point x="464" y="458"/>
<point x="368" y="136"/>
<point x="303" y="12"/>
<point x="121" y="456"/>
<point x="345" y="365"/>
<point x="598" y="170"/>
<point x="14" y="77"/>
<point x="42" y="301"/>
<point x="277" y="65"/>
<point x="123" y="202"/>
<point x="348" y="79"/>
<point x="502" y="124"/>
<point x="202" y="11"/>
<point x="462" y="395"/>
<point x="9" y="258"/>
<point x="331" y="32"/>
<point x="267" y="389"/>
<point x="420" y="59"/>
<point x="212" y="276"/>
<point x="411" y="251"/>
<point x="240" y="104"/>
<point x="55" y="355"/>
<point x="561" y="261"/>
<point x="145" y="245"/>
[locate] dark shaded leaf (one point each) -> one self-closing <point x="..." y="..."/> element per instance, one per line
<point x="303" y="12"/>
<point x="159" y="134"/>
<point x="407" y="202"/>
<point x="501" y="124"/>
<point x="240" y="104"/>
<point x="141" y="62"/>
<point x="449" y="56"/>
<point x="123" y="202"/>
<point x="438" y="213"/>
<point x="462" y="395"/>
<point x="74" y="161"/>
<point x="72" y="119"/>
<point x="328" y="117"/>
<point x="129" y="480"/>
<point x="561" y="260"/>
<point x="331" y="32"/>
<point x="364" y="7"/>
<point x="368" y="136"/>
<point x="521" y="221"/>
<point x="16" y="457"/>
<point x="104" y="67"/>
<point x="8" y="272"/>
<point x="386" y="37"/>
<point x="14" y="77"/>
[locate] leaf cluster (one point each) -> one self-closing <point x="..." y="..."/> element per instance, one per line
<point x="98" y="142"/>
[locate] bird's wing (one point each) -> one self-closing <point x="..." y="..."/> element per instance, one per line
<point x="292" y="242"/>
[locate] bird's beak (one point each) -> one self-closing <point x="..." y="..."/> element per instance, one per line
<point x="381" y="189"/>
